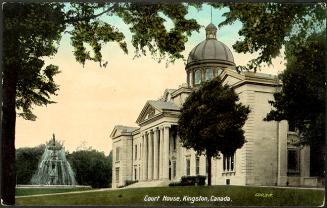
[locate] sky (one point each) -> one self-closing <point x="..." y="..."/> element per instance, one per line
<point x="92" y="100"/>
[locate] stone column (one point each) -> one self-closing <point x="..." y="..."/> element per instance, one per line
<point x="144" y="157"/>
<point x="155" y="154"/>
<point x="165" y="168"/>
<point x="150" y="157"/>
<point x="161" y="156"/>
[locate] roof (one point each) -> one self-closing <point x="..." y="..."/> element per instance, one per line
<point x="162" y="105"/>
<point x="120" y="129"/>
<point x="211" y="50"/>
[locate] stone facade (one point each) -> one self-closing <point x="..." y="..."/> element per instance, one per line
<point x="152" y="152"/>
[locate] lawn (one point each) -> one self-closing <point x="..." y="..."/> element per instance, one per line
<point x="224" y="196"/>
<point x="34" y="191"/>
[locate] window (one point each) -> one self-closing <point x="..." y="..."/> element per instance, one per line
<point x="174" y="169"/>
<point x="188" y="165"/>
<point x="117" y="175"/>
<point x="209" y="74"/>
<point x="135" y="152"/>
<point x="117" y="154"/>
<point x="228" y="163"/>
<point x="197" y="166"/>
<point x="293" y="160"/>
<point x="135" y="174"/>
<point x="197" y="78"/>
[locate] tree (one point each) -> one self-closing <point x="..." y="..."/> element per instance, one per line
<point x="30" y="32"/>
<point x="267" y="27"/>
<point x="211" y="121"/>
<point x="27" y="160"/>
<point x="301" y="100"/>
<point x="300" y="29"/>
<point x="91" y="168"/>
<point x="33" y="31"/>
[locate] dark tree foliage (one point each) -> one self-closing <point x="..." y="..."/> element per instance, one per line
<point x="267" y="27"/>
<point x="32" y="31"/>
<point x="91" y="168"/>
<point x="27" y="160"/>
<point x="211" y="121"/>
<point x="302" y="98"/>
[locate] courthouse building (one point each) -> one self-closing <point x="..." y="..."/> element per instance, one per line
<point x="152" y="154"/>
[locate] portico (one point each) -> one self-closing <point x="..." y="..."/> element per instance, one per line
<point x="155" y="151"/>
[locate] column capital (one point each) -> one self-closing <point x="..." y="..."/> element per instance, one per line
<point x="165" y="126"/>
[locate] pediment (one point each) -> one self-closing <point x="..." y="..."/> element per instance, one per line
<point x="147" y="112"/>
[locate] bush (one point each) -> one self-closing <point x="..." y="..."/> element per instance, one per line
<point x="192" y="180"/>
<point x="130" y="182"/>
<point x="175" y="184"/>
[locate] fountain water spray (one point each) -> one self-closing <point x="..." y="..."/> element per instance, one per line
<point x="54" y="169"/>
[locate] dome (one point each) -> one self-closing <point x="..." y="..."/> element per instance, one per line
<point x="211" y="50"/>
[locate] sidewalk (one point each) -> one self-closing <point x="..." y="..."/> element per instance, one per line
<point x="71" y="192"/>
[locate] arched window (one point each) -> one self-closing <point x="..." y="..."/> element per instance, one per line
<point x="209" y="74"/>
<point x="197" y="77"/>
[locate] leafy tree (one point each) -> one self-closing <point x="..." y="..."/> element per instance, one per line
<point x="91" y="168"/>
<point x="267" y="27"/>
<point x="302" y="97"/>
<point x="27" y="160"/>
<point x="211" y="121"/>
<point x="30" y="32"/>
<point x="33" y="31"/>
<point x="300" y="29"/>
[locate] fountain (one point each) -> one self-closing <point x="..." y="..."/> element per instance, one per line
<point x="54" y="169"/>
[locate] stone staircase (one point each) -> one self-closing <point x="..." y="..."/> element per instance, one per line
<point x="148" y="184"/>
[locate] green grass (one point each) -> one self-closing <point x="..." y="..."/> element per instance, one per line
<point x="239" y="195"/>
<point x="34" y="191"/>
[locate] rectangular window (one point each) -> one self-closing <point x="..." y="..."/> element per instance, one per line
<point x="228" y="163"/>
<point x="188" y="165"/>
<point x="197" y="166"/>
<point x="293" y="165"/>
<point x="117" y="175"/>
<point x="117" y="154"/>
<point x="135" y="152"/>
<point x="174" y="169"/>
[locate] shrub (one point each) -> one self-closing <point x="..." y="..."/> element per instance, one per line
<point x="129" y="182"/>
<point x="192" y="180"/>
